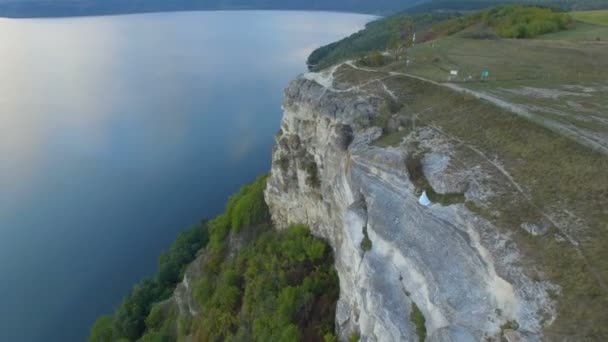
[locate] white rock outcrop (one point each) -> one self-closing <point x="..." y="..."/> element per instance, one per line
<point x="457" y="268"/>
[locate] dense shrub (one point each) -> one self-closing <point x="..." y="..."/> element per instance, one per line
<point x="366" y="242"/>
<point x="280" y="287"/>
<point x="102" y="330"/>
<point x="510" y="21"/>
<point x="243" y="209"/>
<point x="515" y="21"/>
<point x="419" y="321"/>
<point x="248" y="208"/>
<point x="373" y="59"/>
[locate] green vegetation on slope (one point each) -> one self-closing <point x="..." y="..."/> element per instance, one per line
<point x="129" y="319"/>
<point x="417" y="318"/>
<point x="524" y="22"/>
<point x="244" y="209"/>
<point x="509" y="21"/>
<point x="102" y="329"/>
<point x="268" y="286"/>
<point x="366" y="242"/>
<point x="376" y="36"/>
<point x="281" y="286"/>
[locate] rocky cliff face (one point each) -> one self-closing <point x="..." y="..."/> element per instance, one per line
<point x="394" y="254"/>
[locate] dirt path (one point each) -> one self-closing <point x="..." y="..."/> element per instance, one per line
<point x="563" y="129"/>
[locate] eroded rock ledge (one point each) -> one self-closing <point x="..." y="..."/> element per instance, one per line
<point x="463" y="274"/>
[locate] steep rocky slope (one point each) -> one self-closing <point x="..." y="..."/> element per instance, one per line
<point x="358" y="154"/>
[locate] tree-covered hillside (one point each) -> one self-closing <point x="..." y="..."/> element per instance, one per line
<point x="507" y="21"/>
<point x="375" y="36"/>
<point x="256" y="284"/>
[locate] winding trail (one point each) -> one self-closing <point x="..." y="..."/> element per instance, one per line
<point x="566" y="130"/>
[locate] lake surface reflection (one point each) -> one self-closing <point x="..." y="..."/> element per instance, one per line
<point x="116" y="133"/>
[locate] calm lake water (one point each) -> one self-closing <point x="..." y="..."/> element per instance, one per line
<point x="116" y="133"/>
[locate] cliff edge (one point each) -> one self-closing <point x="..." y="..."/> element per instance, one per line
<point x="438" y="227"/>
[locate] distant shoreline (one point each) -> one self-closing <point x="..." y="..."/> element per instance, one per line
<point x="58" y="11"/>
<point x="86" y="8"/>
<point x="189" y="10"/>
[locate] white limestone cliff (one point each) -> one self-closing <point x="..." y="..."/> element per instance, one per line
<point x="458" y="268"/>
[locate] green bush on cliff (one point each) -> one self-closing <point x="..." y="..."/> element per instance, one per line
<point x="366" y="242"/>
<point x="373" y="59"/>
<point x="419" y="321"/>
<point x="281" y="286"/>
<point x="515" y="21"/>
<point x="102" y="330"/>
<point x="248" y="207"/>
<point x="243" y="209"/>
